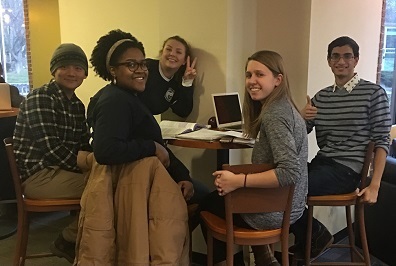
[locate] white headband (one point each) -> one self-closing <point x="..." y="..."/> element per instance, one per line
<point x="112" y="49"/>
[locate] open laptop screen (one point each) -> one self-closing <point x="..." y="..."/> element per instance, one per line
<point x="227" y="109"/>
<point x="5" y="97"/>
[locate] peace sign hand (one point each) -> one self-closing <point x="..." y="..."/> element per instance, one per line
<point x="191" y="72"/>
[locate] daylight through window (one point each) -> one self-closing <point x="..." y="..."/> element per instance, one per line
<point x="13" y="54"/>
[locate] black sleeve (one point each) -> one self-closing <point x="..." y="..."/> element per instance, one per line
<point x="113" y="124"/>
<point x="184" y="102"/>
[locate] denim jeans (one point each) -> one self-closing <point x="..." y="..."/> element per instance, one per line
<point x="325" y="177"/>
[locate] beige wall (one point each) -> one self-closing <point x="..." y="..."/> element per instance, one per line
<point x="204" y="25"/>
<point x="284" y="27"/>
<point x="44" y="37"/>
<point x="94" y="18"/>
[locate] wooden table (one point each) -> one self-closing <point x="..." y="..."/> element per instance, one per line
<point x="8" y="223"/>
<point x="223" y="156"/>
<point x="10" y="113"/>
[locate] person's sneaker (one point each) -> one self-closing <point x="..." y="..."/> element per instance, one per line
<point x="321" y="240"/>
<point x="296" y="248"/>
<point x="297" y="252"/>
<point x="63" y="249"/>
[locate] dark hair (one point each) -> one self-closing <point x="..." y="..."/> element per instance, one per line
<point x="342" y="41"/>
<point x="103" y="45"/>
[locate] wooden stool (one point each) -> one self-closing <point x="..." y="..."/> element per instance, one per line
<point x="346" y="200"/>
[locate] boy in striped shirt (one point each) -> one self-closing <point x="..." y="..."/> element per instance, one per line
<point x="346" y="116"/>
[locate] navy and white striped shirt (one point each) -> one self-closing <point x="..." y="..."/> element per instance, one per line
<point x="348" y="119"/>
<point x="49" y="131"/>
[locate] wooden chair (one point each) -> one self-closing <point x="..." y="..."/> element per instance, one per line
<point x="250" y="200"/>
<point x="25" y="206"/>
<point x="347" y="200"/>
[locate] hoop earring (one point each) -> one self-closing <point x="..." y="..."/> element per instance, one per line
<point x="114" y="80"/>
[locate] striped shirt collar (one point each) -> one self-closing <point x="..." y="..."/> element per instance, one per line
<point x="350" y="85"/>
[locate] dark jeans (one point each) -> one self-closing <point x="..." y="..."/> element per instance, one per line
<point x="215" y="204"/>
<point x="200" y="192"/>
<point x="325" y="177"/>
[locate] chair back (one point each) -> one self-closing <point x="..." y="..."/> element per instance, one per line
<point x="16" y="178"/>
<point x="366" y="165"/>
<point x="256" y="200"/>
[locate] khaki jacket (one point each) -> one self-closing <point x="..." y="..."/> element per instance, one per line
<point x="131" y="214"/>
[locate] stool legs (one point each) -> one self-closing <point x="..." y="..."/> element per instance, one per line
<point x="209" y="244"/>
<point x="359" y="225"/>
<point x="359" y="214"/>
<point x="22" y="238"/>
<point x="351" y="234"/>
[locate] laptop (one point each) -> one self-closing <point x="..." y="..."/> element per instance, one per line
<point x="5" y="97"/>
<point x="227" y="107"/>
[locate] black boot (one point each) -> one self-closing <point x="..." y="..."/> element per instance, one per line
<point x="263" y="256"/>
<point x="320" y="241"/>
<point x="63" y="249"/>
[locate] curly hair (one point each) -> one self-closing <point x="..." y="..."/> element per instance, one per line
<point x="103" y="45"/>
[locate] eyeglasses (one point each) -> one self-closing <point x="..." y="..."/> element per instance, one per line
<point x="337" y="57"/>
<point x="134" y="65"/>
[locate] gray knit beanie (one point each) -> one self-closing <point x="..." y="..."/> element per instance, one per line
<point x="68" y="54"/>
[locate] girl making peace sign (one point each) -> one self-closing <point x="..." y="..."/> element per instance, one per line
<point x="170" y="80"/>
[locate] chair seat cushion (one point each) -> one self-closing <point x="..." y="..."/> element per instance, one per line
<point x="333" y="200"/>
<point x="218" y="225"/>
<point x="74" y="204"/>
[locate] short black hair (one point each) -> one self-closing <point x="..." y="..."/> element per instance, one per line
<point x="103" y="45"/>
<point x="342" y="41"/>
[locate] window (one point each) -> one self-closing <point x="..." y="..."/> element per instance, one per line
<point x="387" y="58"/>
<point x="389" y="45"/>
<point x="13" y="46"/>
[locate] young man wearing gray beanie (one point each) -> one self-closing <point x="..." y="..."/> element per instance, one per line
<point x="50" y="130"/>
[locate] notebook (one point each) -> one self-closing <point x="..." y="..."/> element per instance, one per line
<point x="227" y="108"/>
<point x="5" y="97"/>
